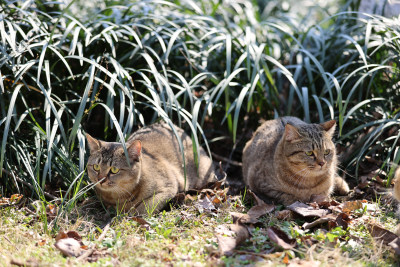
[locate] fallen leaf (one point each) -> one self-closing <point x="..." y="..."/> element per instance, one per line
<point x="326" y="218"/>
<point x="70" y="234"/>
<point x="343" y="220"/>
<point x="238" y="217"/>
<point x="286" y="259"/>
<point x="284" y="215"/>
<point x="41" y="242"/>
<point x="281" y="238"/>
<point x="260" y="210"/>
<point x="381" y="234"/>
<point x="69" y="247"/>
<point x="204" y="204"/>
<point x="253" y="214"/>
<point x="142" y="222"/>
<point x="328" y="204"/>
<point x="229" y="236"/>
<point x="306" y="210"/>
<point x="349" y="206"/>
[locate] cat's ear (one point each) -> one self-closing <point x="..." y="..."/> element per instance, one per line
<point x="135" y="149"/>
<point x="94" y="144"/>
<point x="329" y="127"/>
<point x="291" y="133"/>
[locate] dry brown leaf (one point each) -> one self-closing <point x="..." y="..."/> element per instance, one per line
<point x="286" y="259"/>
<point x="326" y="218"/>
<point x="281" y="238"/>
<point x="328" y="204"/>
<point x="258" y="200"/>
<point x="306" y="210"/>
<point x="343" y="220"/>
<point x="238" y="217"/>
<point x="284" y="215"/>
<point x="69" y="247"/>
<point x="143" y="223"/>
<point x="70" y="234"/>
<point x="41" y="242"/>
<point x="253" y="214"/>
<point x="204" y="204"/>
<point x="350" y="206"/>
<point x="381" y="234"/>
<point x="229" y="236"/>
<point x="260" y="210"/>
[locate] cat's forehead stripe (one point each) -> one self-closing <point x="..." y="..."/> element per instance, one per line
<point x="314" y="133"/>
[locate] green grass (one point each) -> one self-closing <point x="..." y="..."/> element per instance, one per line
<point x="183" y="236"/>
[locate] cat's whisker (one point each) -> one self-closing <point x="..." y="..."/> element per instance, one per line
<point x="300" y="181"/>
<point x="299" y="176"/>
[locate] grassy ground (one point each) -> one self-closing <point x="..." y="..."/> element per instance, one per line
<point x="189" y="235"/>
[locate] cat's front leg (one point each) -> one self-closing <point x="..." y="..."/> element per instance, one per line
<point x="151" y="204"/>
<point x="340" y="186"/>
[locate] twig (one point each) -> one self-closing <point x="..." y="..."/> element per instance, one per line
<point x="230" y="161"/>
<point x="6" y="238"/>
<point x="27" y="184"/>
<point x="265" y="256"/>
<point x="91" y="250"/>
<point x="28" y="263"/>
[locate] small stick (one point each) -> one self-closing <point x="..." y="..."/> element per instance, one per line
<point x="28" y="184"/>
<point x="6" y="238"/>
<point x="232" y="162"/>
<point x="265" y="256"/>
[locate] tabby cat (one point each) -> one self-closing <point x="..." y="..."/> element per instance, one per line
<point x="288" y="160"/>
<point x="155" y="173"/>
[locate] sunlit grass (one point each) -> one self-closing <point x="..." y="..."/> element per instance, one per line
<point x="187" y="63"/>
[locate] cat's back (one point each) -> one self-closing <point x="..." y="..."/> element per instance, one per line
<point x="161" y="150"/>
<point x="158" y="137"/>
<point x="268" y="135"/>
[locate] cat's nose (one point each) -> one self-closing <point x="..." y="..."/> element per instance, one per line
<point x="321" y="163"/>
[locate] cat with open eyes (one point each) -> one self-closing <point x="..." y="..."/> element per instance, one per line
<point x="155" y="171"/>
<point x="288" y="160"/>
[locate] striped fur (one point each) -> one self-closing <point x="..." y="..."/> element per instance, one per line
<point x="276" y="165"/>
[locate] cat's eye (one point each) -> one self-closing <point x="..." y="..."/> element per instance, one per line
<point x="114" y="170"/>
<point x="96" y="167"/>
<point x="309" y="153"/>
<point x="327" y="151"/>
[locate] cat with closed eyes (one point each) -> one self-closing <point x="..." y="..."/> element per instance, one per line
<point x="155" y="171"/>
<point x="288" y="160"/>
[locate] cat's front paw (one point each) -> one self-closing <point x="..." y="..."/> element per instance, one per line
<point x="341" y="187"/>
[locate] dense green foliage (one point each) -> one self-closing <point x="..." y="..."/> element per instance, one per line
<point x="220" y="66"/>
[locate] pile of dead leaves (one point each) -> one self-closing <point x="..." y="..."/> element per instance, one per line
<point x="323" y="215"/>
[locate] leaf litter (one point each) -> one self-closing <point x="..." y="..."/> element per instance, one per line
<point x="273" y="225"/>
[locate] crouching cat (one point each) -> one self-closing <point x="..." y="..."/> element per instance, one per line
<point x="155" y="174"/>
<point x="288" y="160"/>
